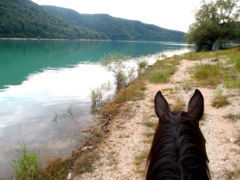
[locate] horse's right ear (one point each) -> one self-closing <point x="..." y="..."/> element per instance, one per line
<point x="196" y="106"/>
<point x="161" y="105"/>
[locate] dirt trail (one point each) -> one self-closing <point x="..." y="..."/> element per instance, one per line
<point x="121" y="151"/>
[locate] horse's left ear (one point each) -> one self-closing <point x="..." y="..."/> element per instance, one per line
<point x="161" y="105"/>
<point x="196" y="106"/>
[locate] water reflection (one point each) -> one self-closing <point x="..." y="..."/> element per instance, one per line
<point x="48" y="111"/>
<point x="19" y="59"/>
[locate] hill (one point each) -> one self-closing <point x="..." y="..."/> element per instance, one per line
<point x="25" y="19"/>
<point x="116" y="28"/>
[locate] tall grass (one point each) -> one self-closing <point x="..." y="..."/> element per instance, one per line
<point x="142" y="65"/>
<point x="96" y="96"/>
<point x="26" y="166"/>
<point x="219" y="99"/>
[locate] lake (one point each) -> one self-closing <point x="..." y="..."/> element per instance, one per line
<point x="45" y="91"/>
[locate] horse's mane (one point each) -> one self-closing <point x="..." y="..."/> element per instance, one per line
<point x="178" y="149"/>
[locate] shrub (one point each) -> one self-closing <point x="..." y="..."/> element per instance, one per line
<point x="96" y="97"/>
<point x="121" y="79"/>
<point x="142" y="65"/>
<point x="114" y="63"/>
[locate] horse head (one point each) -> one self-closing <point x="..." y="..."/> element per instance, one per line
<point x="178" y="148"/>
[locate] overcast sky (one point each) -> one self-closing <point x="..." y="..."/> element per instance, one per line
<point x="171" y="14"/>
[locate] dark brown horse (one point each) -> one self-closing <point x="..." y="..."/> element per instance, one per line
<point x="178" y="149"/>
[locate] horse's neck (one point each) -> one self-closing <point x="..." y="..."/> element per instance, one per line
<point x="192" y="154"/>
<point x="163" y="160"/>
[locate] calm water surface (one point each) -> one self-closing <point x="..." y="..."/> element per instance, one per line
<point x="44" y="92"/>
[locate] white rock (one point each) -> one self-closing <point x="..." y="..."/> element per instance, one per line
<point x="69" y="176"/>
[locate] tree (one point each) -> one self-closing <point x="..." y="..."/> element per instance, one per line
<point x="215" y="24"/>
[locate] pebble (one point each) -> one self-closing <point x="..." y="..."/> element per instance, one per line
<point x="233" y="140"/>
<point x="69" y="176"/>
<point x="87" y="148"/>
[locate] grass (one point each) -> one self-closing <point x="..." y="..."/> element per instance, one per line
<point x="85" y="163"/>
<point x="220" y="100"/>
<point x="149" y="134"/>
<point x="219" y="73"/>
<point x="150" y="124"/>
<point x="26" y="166"/>
<point x="96" y="96"/>
<point x="233" y="117"/>
<point x="142" y="157"/>
<point x="187" y="85"/>
<point x="134" y="91"/>
<point x="162" y="71"/>
<point x="111" y="109"/>
<point x="232" y="175"/>
<point x="232" y="83"/>
<point x="207" y="54"/>
<point x="106" y="130"/>
<point x="208" y="74"/>
<point x="203" y="117"/>
<point x="179" y="105"/>
<point x="170" y="90"/>
<point x="140" y="162"/>
<point x="160" y="76"/>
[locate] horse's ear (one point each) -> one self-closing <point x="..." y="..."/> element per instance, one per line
<point x="196" y="105"/>
<point x="161" y="105"/>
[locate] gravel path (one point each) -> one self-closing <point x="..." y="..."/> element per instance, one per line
<point x="127" y="142"/>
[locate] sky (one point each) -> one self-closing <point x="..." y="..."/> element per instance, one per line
<point x="170" y="14"/>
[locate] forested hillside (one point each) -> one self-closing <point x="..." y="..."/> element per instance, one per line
<point x="25" y="19"/>
<point x="116" y="28"/>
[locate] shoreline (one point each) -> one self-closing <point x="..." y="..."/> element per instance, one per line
<point x="54" y="39"/>
<point x="102" y="128"/>
<point x="59" y="39"/>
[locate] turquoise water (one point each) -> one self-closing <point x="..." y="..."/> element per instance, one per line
<point x="44" y="92"/>
<point x="18" y="59"/>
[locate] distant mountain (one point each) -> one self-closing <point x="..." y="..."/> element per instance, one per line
<point x="25" y="19"/>
<point x="115" y="28"/>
